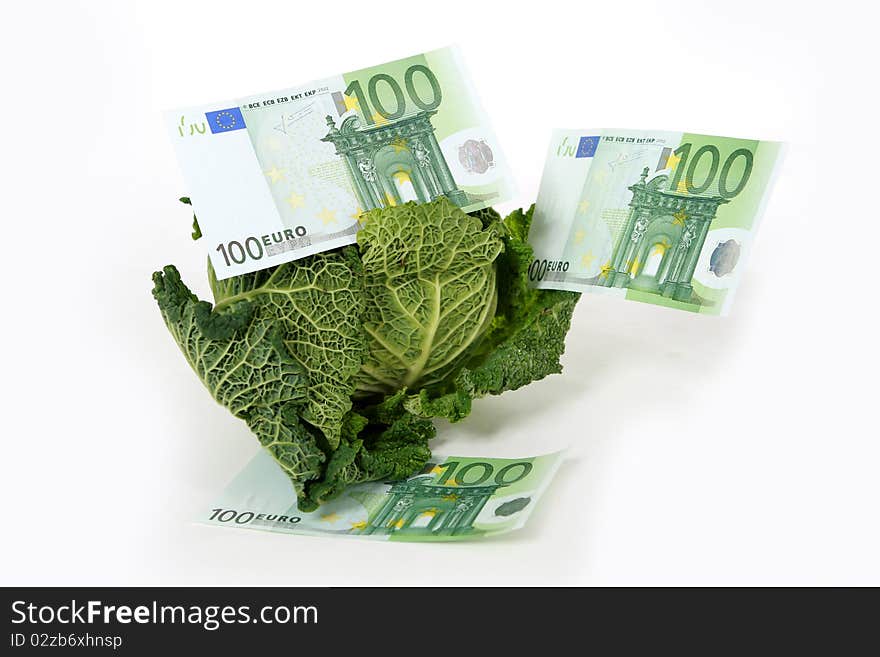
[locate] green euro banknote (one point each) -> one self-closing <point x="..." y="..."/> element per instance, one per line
<point x="278" y="176"/>
<point x="662" y="217"/>
<point x="453" y="498"/>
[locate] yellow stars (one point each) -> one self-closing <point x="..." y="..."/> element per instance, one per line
<point x="449" y="498"/>
<point x="359" y="525"/>
<point x="672" y="161"/>
<point x="399" y="145"/>
<point x="330" y="517"/>
<point x="275" y="174"/>
<point x="583" y="206"/>
<point x="587" y="259"/>
<point x="378" y="119"/>
<point x="659" y="248"/>
<point x="605" y="270"/>
<point x="401" y="176"/>
<point x="679" y="218"/>
<point x="351" y="102"/>
<point x="579" y="235"/>
<point x="296" y="200"/>
<point x="359" y="216"/>
<point x="682" y="187"/>
<point x="327" y="216"/>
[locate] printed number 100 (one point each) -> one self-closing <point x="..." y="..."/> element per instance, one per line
<point x="725" y="189"/>
<point x="474" y="474"/>
<point x="409" y="77"/>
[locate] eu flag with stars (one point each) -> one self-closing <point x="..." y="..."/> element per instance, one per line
<point x="225" y="120"/>
<point x="587" y="147"/>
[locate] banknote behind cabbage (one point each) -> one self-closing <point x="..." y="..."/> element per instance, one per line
<point x="339" y="361"/>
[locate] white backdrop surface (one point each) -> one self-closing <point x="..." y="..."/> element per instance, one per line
<point x="702" y="451"/>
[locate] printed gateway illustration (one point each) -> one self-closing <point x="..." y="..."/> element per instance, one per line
<point x="406" y="149"/>
<point x="662" y="221"/>
<point x="419" y="505"/>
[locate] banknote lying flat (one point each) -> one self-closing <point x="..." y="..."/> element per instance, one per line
<point x="281" y="175"/>
<point x="453" y="498"/>
<point x="662" y="217"/>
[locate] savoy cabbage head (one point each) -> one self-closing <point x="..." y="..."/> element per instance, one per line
<point x="339" y="361"/>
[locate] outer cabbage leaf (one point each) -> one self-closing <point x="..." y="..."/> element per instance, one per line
<point x="259" y="351"/>
<point x="381" y="452"/>
<point x="430" y="293"/>
<point x="316" y="304"/>
<point x="242" y="360"/>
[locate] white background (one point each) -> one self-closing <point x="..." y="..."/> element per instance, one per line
<point x="703" y="451"/>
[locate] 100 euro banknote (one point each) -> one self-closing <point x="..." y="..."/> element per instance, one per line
<point x="453" y="498"/>
<point x="278" y="176"/>
<point x="662" y="217"/>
